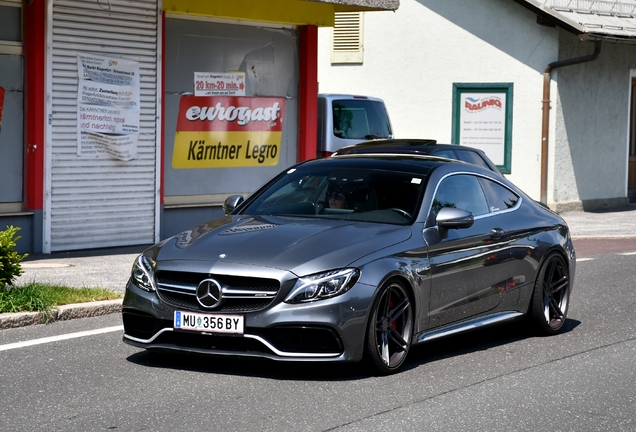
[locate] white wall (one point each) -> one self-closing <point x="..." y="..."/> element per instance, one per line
<point x="412" y="58"/>
<point x="590" y="140"/>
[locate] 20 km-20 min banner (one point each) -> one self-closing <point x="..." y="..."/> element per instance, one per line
<point x="222" y="132"/>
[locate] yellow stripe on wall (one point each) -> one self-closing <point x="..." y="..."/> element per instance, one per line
<point x="294" y="12"/>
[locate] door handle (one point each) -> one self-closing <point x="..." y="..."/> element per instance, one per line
<point x="496" y="233"/>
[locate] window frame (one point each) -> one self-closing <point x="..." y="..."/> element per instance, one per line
<point x="431" y="216"/>
<point x="503" y="90"/>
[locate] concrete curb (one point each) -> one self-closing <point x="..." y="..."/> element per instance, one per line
<point x="62" y="313"/>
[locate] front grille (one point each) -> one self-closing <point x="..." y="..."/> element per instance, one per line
<point x="289" y="339"/>
<point x="240" y="294"/>
<point x="209" y="342"/>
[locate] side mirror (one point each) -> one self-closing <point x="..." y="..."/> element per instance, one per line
<point x="231" y="203"/>
<point x="452" y="218"/>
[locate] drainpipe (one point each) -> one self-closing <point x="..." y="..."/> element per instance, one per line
<point x="546" y="111"/>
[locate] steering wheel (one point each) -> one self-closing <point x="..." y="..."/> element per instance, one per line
<point x="402" y="212"/>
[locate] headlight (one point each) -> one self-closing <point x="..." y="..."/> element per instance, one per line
<point x="323" y="285"/>
<point x="143" y="273"/>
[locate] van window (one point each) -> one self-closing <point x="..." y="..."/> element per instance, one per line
<point x="360" y="119"/>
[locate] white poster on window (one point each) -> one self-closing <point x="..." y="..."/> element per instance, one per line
<point x="107" y="107"/>
<point x="482" y="123"/>
<point x="219" y="84"/>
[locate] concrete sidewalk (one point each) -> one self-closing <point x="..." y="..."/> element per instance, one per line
<point x="615" y="223"/>
<point x="104" y="268"/>
<point x="110" y="268"/>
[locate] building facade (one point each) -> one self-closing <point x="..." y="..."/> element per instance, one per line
<point x="125" y="122"/>
<point x="562" y="71"/>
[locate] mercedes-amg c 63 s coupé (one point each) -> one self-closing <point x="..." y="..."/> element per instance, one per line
<point x="354" y="257"/>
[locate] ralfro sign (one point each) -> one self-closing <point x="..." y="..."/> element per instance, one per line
<point x="222" y="132"/>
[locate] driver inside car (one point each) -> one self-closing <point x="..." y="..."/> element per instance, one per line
<point x="337" y="199"/>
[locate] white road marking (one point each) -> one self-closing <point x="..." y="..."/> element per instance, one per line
<point x="60" y="338"/>
<point x="584" y="259"/>
<point x="627" y="253"/>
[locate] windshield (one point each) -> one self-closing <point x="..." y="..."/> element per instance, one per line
<point x="359" y="194"/>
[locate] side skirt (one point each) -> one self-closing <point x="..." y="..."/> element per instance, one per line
<point x="467" y="325"/>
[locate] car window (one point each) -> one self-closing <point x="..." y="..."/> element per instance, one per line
<point x="463" y="192"/>
<point x="472" y="157"/>
<point x="445" y="153"/>
<point x="371" y="195"/>
<point x="498" y="197"/>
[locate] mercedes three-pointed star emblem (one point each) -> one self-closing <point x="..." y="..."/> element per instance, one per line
<point x="209" y="293"/>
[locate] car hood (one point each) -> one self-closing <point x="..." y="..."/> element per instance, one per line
<point x="302" y="246"/>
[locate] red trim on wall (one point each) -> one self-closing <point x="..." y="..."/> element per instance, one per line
<point x="308" y="93"/>
<point x="34" y="107"/>
<point x="162" y="140"/>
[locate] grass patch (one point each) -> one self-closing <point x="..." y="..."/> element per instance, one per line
<point x="37" y="297"/>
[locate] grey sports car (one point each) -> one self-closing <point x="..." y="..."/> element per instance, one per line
<point x="354" y="257"/>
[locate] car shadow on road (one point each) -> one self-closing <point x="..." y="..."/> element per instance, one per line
<point x="257" y="367"/>
<point x="479" y="340"/>
<point x="420" y="355"/>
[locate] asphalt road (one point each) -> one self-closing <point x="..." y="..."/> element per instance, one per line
<point x="503" y="378"/>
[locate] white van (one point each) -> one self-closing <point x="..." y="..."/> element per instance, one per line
<point x="347" y="119"/>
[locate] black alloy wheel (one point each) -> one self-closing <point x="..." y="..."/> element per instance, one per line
<point x="551" y="295"/>
<point x="390" y="328"/>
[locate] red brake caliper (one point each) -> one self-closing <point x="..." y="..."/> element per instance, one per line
<point x="393" y="323"/>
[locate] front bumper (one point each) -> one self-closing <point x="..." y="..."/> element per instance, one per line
<point x="326" y="330"/>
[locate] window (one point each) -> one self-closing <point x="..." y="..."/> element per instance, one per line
<point x="347" y="38"/>
<point x="498" y="197"/>
<point x="463" y="155"/>
<point x="342" y="191"/>
<point x="462" y="192"/>
<point x="360" y="119"/>
<point x="449" y="154"/>
<point x="472" y="157"/>
<point x="11" y="107"/>
<point x="11" y="27"/>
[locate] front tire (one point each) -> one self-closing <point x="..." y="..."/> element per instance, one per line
<point x="390" y="328"/>
<point x="551" y="296"/>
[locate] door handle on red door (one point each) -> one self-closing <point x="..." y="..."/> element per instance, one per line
<point x="496" y="233"/>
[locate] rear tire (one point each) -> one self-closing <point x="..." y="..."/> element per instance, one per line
<point x="390" y="328"/>
<point x="551" y="296"/>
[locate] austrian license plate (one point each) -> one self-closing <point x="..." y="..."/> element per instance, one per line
<point x="210" y="323"/>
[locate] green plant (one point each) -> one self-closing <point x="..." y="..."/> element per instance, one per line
<point x="10" y="267"/>
<point x="31" y="298"/>
<point x="37" y="297"/>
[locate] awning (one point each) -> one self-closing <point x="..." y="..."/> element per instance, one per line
<point x="590" y="19"/>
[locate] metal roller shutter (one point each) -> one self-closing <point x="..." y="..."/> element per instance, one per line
<point x="95" y="202"/>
